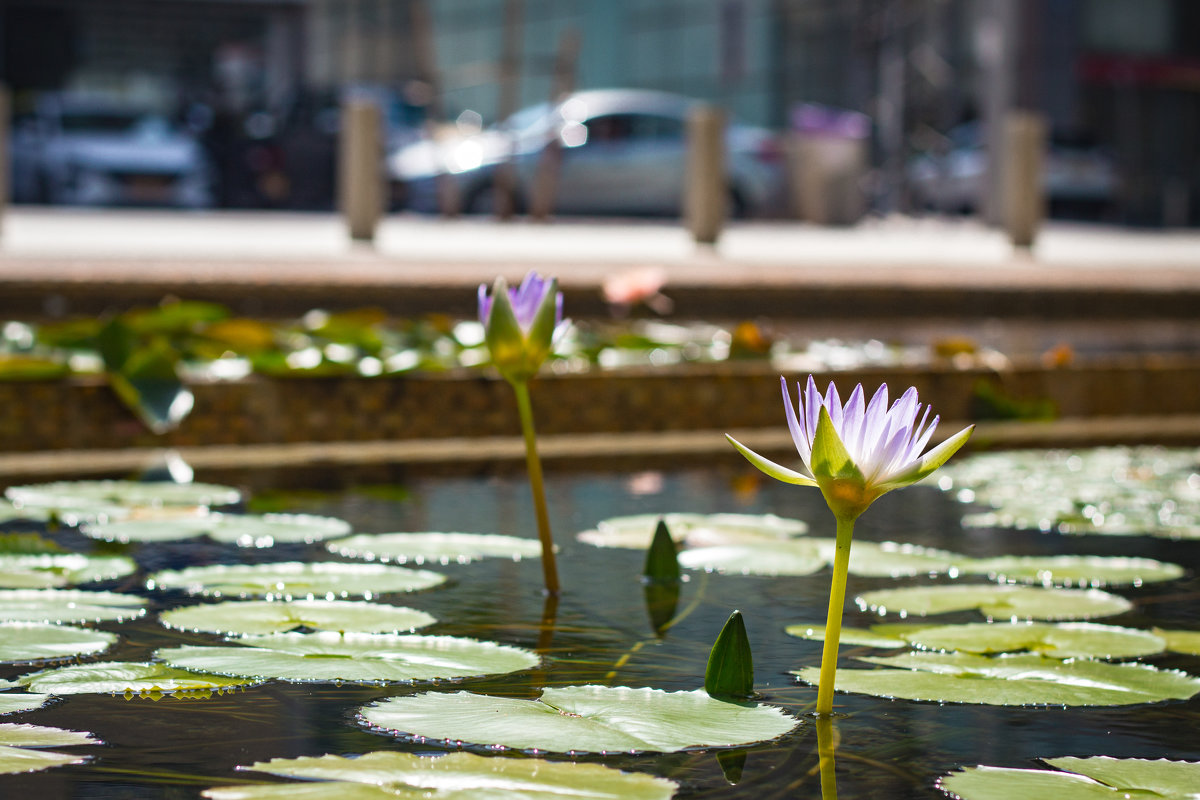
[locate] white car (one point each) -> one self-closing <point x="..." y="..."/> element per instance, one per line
<point x="622" y="151"/>
<point x="94" y="152"/>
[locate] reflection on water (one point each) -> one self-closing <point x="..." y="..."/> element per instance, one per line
<point x="603" y="633"/>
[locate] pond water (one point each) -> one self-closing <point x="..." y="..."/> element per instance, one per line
<point x="175" y="748"/>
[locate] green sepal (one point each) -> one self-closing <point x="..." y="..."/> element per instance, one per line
<point x="830" y="459"/>
<point x="769" y="467"/>
<point x="503" y="334"/>
<point x="540" y="339"/>
<point x="928" y="463"/>
<point x="730" y="671"/>
<point x="662" y="561"/>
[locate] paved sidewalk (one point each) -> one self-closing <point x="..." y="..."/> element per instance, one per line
<point x="939" y="262"/>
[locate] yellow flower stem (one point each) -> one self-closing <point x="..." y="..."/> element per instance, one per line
<point x="537" y="485"/>
<point x="833" y="623"/>
<point x="827" y="740"/>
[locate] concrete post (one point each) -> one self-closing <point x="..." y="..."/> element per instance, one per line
<point x="1024" y="197"/>
<point x="705" y="193"/>
<point x="360" y="168"/>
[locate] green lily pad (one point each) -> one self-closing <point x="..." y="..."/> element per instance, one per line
<point x="996" y="602"/>
<point x="1095" y="778"/>
<point x="67" y="605"/>
<point x="1187" y="642"/>
<point x="438" y="548"/>
<point x="249" y="617"/>
<point x="1057" y="640"/>
<point x="807" y="555"/>
<point x="1011" y="680"/>
<point x="125" y="677"/>
<point x="296" y="580"/>
<point x="72" y="494"/>
<point x="55" y="570"/>
<point x="365" y="657"/>
<point x="23" y="642"/>
<point x="244" y="530"/>
<point x="1116" y="490"/>
<point x="855" y="637"/>
<point x="692" y="530"/>
<point x="455" y="776"/>
<point x="16" y="702"/>
<point x="1081" y="571"/>
<point x="15" y="741"/>
<point x="573" y="719"/>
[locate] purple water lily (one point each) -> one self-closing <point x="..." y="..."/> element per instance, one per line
<point x="520" y="324"/>
<point x="525" y="299"/>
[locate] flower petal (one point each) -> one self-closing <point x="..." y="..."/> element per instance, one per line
<point x="929" y="462"/>
<point x="799" y="436"/>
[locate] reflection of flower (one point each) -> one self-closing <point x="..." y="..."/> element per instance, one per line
<point x="857" y="451"/>
<point x="520" y="323"/>
<point x="854" y="452"/>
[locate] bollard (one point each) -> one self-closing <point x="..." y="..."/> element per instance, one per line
<point x="360" y="168"/>
<point x="705" y="193"/>
<point x="4" y="174"/>
<point x="1024" y="143"/>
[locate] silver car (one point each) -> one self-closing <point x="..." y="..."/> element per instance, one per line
<point x="83" y="150"/>
<point x="620" y="151"/>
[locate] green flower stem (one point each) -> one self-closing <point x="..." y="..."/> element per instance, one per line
<point x="534" y="466"/>
<point x="827" y="740"/>
<point x="833" y="623"/>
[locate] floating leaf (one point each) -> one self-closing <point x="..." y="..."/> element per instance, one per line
<point x="244" y="530"/>
<point x="996" y="602"/>
<point x="16" y="702"/>
<point x="15" y="757"/>
<point x="692" y="530"/>
<point x="124" y="677"/>
<point x="1181" y="641"/>
<point x="67" y="605"/>
<point x="455" y="776"/>
<point x="438" y="548"/>
<point x="1011" y="680"/>
<point x="23" y="641"/>
<point x="849" y="636"/>
<point x="598" y="719"/>
<point x="1095" y="778"/>
<point x="249" y="617"/>
<point x="1061" y="640"/>
<point x="1073" y="570"/>
<point x="810" y="554"/>
<point x="288" y="580"/>
<point x="55" y="570"/>
<point x="1115" y="490"/>
<point x="75" y="494"/>
<point x="327" y="656"/>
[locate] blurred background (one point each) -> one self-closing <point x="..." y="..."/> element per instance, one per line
<point x="884" y="106"/>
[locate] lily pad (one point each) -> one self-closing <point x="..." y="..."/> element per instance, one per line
<point x="1187" y="642"/>
<point x="23" y="642"/>
<point x="16" y="702"/>
<point x="244" y="530"/>
<point x="855" y="637"/>
<point x="438" y="548"/>
<point x="1058" y="640"/>
<point x="807" y="555"/>
<point x="249" y="617"/>
<point x="1095" y="778"/>
<point x="996" y="602"/>
<point x="55" y="570"/>
<point x="74" y="494"/>
<point x="365" y="657"/>
<point x="455" y="776"/>
<point x="125" y="677"/>
<point x="15" y="741"/>
<point x="1011" y="680"/>
<point x="573" y="719"/>
<point x="693" y="530"/>
<point x="1081" y="571"/>
<point x="67" y="605"/>
<point x="296" y="580"/>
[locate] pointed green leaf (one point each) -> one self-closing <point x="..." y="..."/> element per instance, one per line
<point x="769" y="467"/>
<point x="830" y="459"/>
<point x="540" y="338"/>
<point x="662" y="561"/>
<point x="730" y="671"/>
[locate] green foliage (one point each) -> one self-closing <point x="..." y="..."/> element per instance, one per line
<point x="730" y="670"/>
<point x="662" y="561"/>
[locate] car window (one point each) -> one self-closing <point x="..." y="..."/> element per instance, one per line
<point x="631" y="127"/>
<point x="98" y="121"/>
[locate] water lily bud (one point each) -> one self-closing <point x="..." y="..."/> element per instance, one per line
<point x="520" y="324"/>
